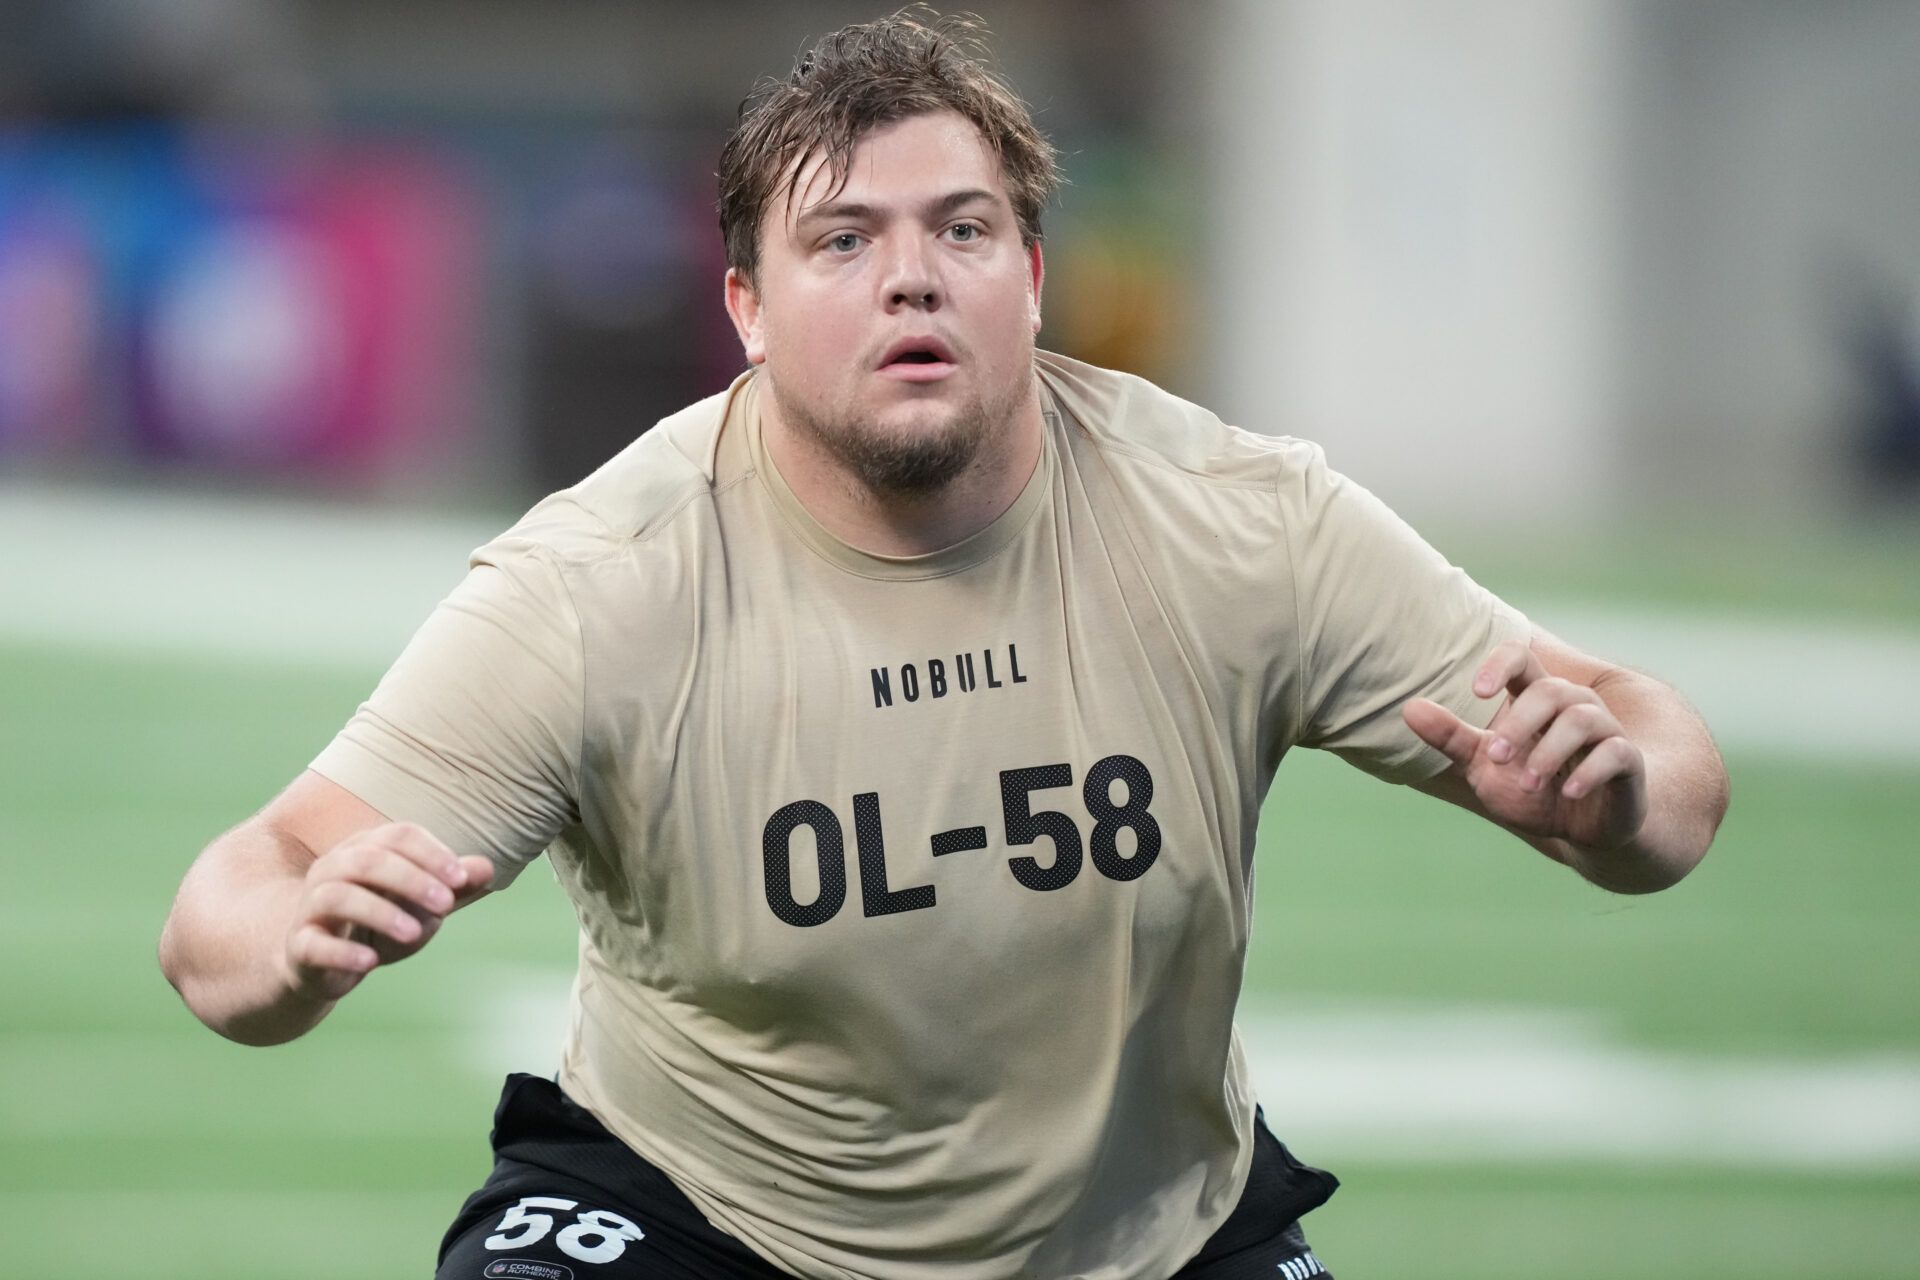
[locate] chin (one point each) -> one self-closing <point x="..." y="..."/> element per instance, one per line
<point x="918" y="453"/>
<point x="925" y="419"/>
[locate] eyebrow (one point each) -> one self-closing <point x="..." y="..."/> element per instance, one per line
<point x="855" y="211"/>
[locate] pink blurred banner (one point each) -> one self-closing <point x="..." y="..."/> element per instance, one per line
<point x="235" y="303"/>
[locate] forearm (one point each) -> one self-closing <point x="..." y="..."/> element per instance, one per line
<point x="1687" y="789"/>
<point x="223" y="947"/>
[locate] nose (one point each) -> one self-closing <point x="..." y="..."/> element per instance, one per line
<point x="911" y="282"/>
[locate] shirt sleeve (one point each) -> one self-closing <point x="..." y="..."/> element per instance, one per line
<point x="474" y="733"/>
<point x="1383" y="618"/>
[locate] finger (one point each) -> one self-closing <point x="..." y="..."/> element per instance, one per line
<point x="1573" y="730"/>
<point x="477" y="879"/>
<point x="1442" y="730"/>
<point x="423" y="848"/>
<point x="391" y="873"/>
<point x="1512" y="665"/>
<point x="1610" y="759"/>
<point x="1527" y="716"/>
<point x="340" y="902"/>
<point x="314" y="950"/>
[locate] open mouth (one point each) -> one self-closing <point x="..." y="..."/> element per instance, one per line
<point x="910" y="354"/>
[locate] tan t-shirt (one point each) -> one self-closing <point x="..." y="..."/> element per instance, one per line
<point x="914" y="892"/>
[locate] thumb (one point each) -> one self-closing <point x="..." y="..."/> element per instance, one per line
<point x="1442" y="730"/>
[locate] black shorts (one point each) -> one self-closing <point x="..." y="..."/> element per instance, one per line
<point x="569" y="1201"/>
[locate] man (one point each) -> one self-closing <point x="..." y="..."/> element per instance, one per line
<point x="898" y="721"/>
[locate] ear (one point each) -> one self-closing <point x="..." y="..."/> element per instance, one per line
<point x="1036" y="271"/>
<point x="743" y="308"/>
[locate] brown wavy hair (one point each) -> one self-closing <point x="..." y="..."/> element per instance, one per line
<point x="910" y="63"/>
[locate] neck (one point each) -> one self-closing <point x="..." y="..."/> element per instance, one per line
<point x="889" y="523"/>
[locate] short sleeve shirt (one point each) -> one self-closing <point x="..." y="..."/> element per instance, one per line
<point x="914" y="892"/>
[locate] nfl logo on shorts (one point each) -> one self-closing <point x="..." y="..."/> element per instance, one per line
<point x="526" y="1269"/>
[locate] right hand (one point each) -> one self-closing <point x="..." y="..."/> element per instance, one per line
<point x="375" y="898"/>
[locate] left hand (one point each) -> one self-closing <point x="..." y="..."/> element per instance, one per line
<point x="1554" y="762"/>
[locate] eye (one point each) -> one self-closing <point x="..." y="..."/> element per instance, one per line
<point x="964" y="232"/>
<point x="845" y="242"/>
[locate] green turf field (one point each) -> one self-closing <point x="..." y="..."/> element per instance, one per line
<point x="136" y="1142"/>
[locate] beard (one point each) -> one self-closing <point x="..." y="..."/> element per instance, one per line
<point x="910" y="461"/>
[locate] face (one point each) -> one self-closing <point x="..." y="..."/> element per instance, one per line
<point x="893" y="320"/>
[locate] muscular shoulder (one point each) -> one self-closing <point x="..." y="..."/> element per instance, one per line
<point x="1129" y="418"/>
<point x="632" y="496"/>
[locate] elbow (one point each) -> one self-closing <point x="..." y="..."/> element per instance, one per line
<point x="175" y="956"/>
<point x="1664" y="857"/>
<point x="202" y="993"/>
<point x="1636" y="876"/>
<point x="171" y="954"/>
<point x="1721" y="798"/>
<point x="1711" y="798"/>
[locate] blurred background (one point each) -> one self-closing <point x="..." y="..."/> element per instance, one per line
<point x="1618" y="300"/>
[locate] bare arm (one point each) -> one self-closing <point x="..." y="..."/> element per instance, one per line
<point x="1606" y="770"/>
<point x="286" y="913"/>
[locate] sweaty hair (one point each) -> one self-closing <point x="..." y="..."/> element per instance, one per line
<point x="912" y="63"/>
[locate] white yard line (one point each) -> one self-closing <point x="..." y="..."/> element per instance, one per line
<point x="1519" y="1084"/>
<point x="1792" y="687"/>
<point x="330" y="587"/>
<point x="343" y="588"/>
<point x="1465" y="1084"/>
